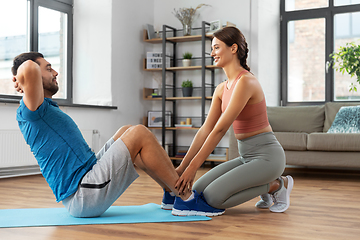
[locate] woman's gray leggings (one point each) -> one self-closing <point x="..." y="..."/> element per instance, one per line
<point x="261" y="161"/>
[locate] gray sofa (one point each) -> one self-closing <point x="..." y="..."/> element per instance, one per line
<point x="302" y="131"/>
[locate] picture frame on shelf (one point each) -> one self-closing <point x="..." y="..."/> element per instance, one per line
<point x="215" y="25"/>
<point x="155" y="119"/>
<point x="150" y="31"/>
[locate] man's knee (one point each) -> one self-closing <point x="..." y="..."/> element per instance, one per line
<point x="126" y="126"/>
<point x="121" y="131"/>
<point x="140" y="130"/>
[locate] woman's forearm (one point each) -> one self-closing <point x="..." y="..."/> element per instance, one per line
<point x="195" y="146"/>
<point x="207" y="147"/>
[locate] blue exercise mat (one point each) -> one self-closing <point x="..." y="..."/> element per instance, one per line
<point x="35" y="217"/>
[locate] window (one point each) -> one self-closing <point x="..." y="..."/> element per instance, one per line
<point x="310" y="31"/>
<point x="44" y="26"/>
<point x="292" y="5"/>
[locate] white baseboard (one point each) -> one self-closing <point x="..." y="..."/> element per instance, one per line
<point x="19" y="171"/>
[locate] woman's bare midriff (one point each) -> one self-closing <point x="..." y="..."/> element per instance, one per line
<point x="241" y="136"/>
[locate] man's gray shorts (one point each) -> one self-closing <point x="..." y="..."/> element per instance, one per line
<point x="104" y="183"/>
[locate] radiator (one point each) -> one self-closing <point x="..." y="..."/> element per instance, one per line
<point x="16" y="159"/>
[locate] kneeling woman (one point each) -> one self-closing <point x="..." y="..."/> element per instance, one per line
<point x="239" y="101"/>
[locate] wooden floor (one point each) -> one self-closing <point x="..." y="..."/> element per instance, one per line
<point x="324" y="205"/>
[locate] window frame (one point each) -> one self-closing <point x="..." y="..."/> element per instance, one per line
<point x="325" y="12"/>
<point x="65" y="6"/>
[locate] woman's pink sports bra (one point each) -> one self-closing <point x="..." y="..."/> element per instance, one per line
<point x="252" y="118"/>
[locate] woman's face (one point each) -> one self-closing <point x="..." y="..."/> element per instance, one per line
<point x="221" y="53"/>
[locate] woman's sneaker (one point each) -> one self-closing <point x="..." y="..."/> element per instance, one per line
<point x="195" y="207"/>
<point x="167" y="201"/>
<point x="282" y="197"/>
<point x="265" y="202"/>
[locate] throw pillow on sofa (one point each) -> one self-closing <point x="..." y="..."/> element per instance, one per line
<point x="347" y="120"/>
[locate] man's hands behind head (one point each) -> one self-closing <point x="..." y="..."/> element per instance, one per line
<point x="17" y="85"/>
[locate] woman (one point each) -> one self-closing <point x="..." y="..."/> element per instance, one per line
<point x="239" y="101"/>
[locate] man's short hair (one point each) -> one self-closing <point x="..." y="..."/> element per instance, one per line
<point x="18" y="60"/>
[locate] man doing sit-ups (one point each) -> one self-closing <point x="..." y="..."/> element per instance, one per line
<point x="87" y="184"/>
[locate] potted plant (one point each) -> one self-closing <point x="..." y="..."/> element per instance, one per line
<point x="187" y="59"/>
<point x="187" y="88"/>
<point x="348" y="59"/>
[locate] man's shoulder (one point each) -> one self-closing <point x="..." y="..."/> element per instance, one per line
<point x="24" y="113"/>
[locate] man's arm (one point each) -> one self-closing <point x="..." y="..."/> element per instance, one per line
<point x="29" y="81"/>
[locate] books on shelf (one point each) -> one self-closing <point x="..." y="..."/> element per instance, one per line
<point x="183" y="126"/>
<point x="180" y="153"/>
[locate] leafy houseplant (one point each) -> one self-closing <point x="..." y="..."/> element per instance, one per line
<point x="187" y="55"/>
<point x="348" y="59"/>
<point x="187" y="88"/>
<point x="187" y="59"/>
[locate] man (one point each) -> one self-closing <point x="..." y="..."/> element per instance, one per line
<point x="87" y="184"/>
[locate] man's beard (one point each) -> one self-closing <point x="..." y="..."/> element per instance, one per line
<point x="51" y="88"/>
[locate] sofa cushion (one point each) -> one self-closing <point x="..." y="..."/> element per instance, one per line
<point x="323" y="159"/>
<point x="331" y="109"/>
<point x="306" y="119"/>
<point x="334" y="142"/>
<point x="292" y="141"/>
<point x="347" y="120"/>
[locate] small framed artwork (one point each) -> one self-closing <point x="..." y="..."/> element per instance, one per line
<point x="150" y="31"/>
<point x="155" y="119"/>
<point x="215" y="25"/>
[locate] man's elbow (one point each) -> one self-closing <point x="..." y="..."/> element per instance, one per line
<point x="29" y="65"/>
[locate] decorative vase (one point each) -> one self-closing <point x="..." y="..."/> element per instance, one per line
<point x="187" y="91"/>
<point x="186" y="62"/>
<point x="160" y="89"/>
<point x="186" y="30"/>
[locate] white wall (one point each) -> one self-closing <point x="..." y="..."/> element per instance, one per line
<point x="108" y="49"/>
<point x="265" y="47"/>
<point x="128" y="51"/>
<point x="92" y="52"/>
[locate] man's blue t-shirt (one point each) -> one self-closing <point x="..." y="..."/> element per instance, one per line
<point x="62" y="153"/>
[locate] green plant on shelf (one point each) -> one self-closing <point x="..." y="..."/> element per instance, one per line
<point x="187" y="55"/>
<point x="187" y="83"/>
